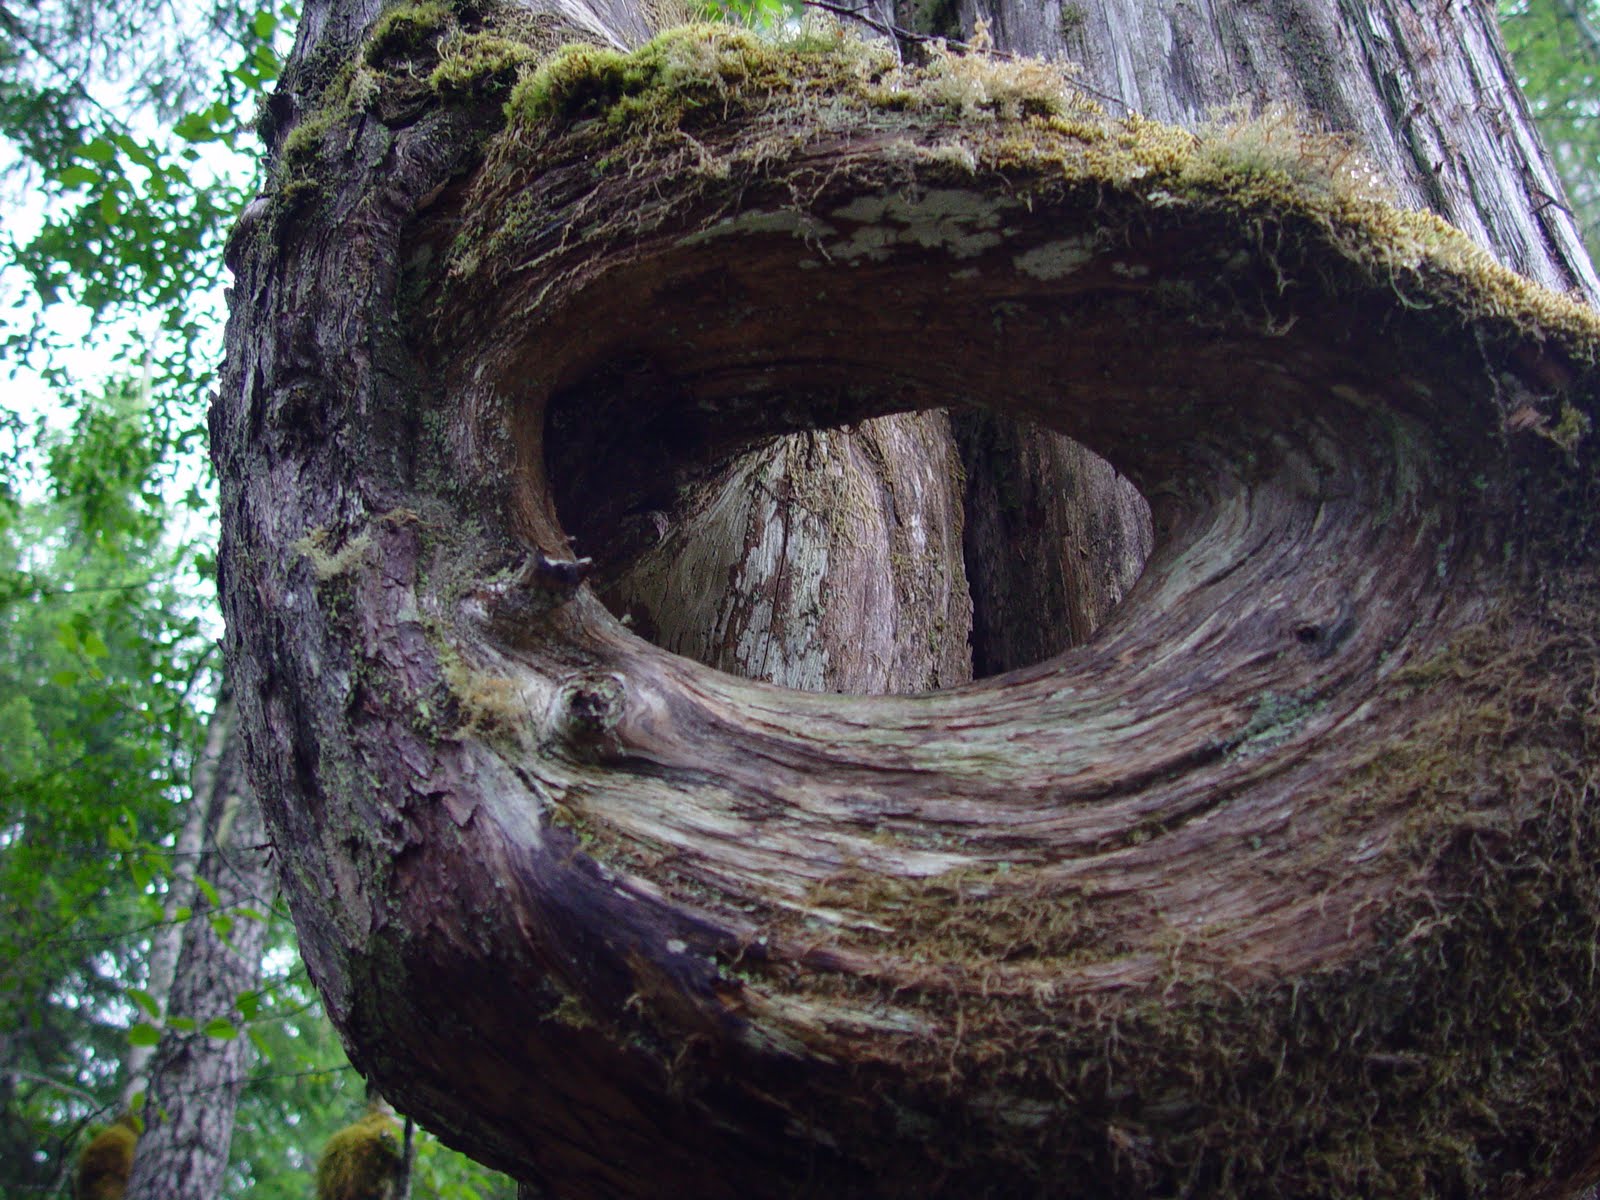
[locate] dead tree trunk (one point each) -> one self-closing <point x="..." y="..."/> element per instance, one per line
<point x="1282" y="885"/>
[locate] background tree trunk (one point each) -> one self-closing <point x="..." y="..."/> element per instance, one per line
<point x="167" y="941"/>
<point x="199" y="1069"/>
<point x="1184" y="909"/>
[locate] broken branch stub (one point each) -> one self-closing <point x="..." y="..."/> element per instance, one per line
<point x="1190" y="903"/>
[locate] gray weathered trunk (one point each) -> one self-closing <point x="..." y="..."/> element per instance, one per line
<point x="195" y="1075"/>
<point x="167" y="941"/>
<point x="1208" y="903"/>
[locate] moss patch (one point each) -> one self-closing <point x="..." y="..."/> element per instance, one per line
<point x="361" y="1160"/>
<point x="976" y="116"/>
<point x="408" y="33"/>
<point x="480" y="65"/>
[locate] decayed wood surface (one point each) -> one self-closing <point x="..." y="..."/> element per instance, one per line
<point x="1208" y="902"/>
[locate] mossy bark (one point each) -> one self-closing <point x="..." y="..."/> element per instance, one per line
<point x="1281" y="885"/>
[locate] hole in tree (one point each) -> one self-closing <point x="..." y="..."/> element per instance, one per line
<point x="1053" y="538"/>
<point x="901" y="554"/>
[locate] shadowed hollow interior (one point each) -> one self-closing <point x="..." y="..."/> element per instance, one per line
<point x="1243" y="409"/>
<point x="928" y="549"/>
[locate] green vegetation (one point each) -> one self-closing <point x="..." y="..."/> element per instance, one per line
<point x="1555" y="45"/>
<point x="137" y="140"/>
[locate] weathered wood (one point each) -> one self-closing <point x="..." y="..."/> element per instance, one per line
<point x="1186" y="907"/>
<point x="1054" y="539"/>
<point x="1424" y="89"/>
<point x="830" y="561"/>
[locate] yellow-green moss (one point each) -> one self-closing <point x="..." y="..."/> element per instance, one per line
<point x="1019" y="119"/>
<point x="329" y="562"/>
<point x="106" y="1161"/>
<point x="480" y="64"/>
<point x="361" y="1161"/>
<point x="351" y="91"/>
<point x="716" y="68"/>
<point x="489" y="705"/>
<point x="408" y="32"/>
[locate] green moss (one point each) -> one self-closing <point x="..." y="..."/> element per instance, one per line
<point x="1572" y="427"/>
<point x="480" y="65"/>
<point x="490" y="706"/>
<point x="327" y="561"/>
<point x="350" y="91"/>
<point x="660" y="83"/>
<point x="571" y="1013"/>
<point x="576" y="79"/>
<point x="304" y="144"/>
<point x="408" y="33"/>
<point x="1026" y="121"/>
<point x="361" y="1161"/>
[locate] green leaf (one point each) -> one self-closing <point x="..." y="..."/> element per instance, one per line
<point x="250" y="914"/>
<point x="249" y="1004"/>
<point x="195" y="127"/>
<point x="144" y="1034"/>
<point x="144" y="1000"/>
<point x="77" y="176"/>
<point x="181" y="1024"/>
<point x="65" y="679"/>
<point x="265" y="24"/>
<point x="117" y="838"/>
<point x="94" y="645"/>
<point x="221" y="925"/>
<point x="206" y="890"/>
<point x="222" y="1029"/>
<point x="100" y="150"/>
<point x="259" y="1041"/>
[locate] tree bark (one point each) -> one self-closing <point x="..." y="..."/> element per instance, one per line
<point x="1280" y="885"/>
<point x="167" y="941"/>
<point x="197" y="1072"/>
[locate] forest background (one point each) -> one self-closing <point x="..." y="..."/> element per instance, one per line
<point x="127" y="151"/>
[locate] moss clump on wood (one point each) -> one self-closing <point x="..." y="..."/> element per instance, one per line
<point x="107" y="1161"/>
<point x="705" y="67"/>
<point x="480" y="65"/>
<point x="408" y="33"/>
<point x="972" y="115"/>
<point x="362" y="1161"/>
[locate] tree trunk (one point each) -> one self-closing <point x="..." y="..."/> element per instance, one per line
<point x="167" y="941"/>
<point x="1281" y="885"/>
<point x="199" y="1067"/>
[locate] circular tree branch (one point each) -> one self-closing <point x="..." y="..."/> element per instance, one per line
<point x="1284" y="883"/>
